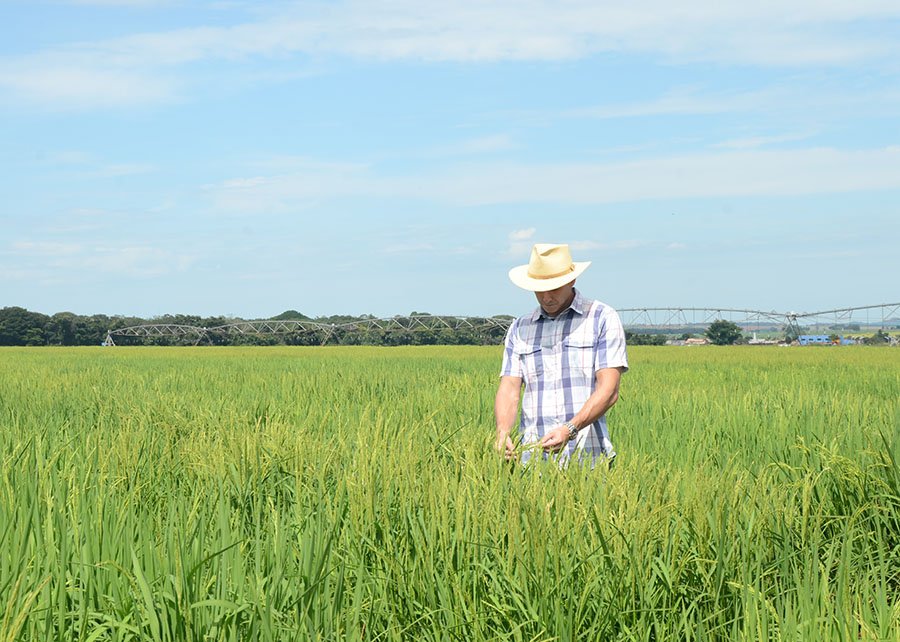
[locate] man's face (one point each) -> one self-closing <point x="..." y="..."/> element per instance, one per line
<point x="555" y="301"/>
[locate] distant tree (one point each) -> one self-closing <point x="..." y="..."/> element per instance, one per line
<point x="423" y="337"/>
<point x="291" y="315"/>
<point x="446" y="336"/>
<point x="19" y="327"/>
<point x="723" y="333"/>
<point x="61" y="329"/>
<point x="177" y="319"/>
<point x="640" y="339"/>
<point x="877" y="339"/>
<point x="91" y="331"/>
<point x="686" y="336"/>
<point x="34" y="336"/>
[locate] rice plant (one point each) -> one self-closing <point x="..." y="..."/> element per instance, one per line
<point x="353" y="494"/>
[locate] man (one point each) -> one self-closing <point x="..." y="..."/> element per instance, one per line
<point x="569" y="354"/>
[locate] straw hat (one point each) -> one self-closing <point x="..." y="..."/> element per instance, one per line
<point x="550" y="267"/>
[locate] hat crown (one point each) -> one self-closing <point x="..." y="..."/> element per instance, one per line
<point x="550" y="260"/>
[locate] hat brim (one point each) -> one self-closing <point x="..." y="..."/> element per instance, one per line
<point x="519" y="276"/>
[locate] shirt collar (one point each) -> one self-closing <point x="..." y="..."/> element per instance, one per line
<point x="578" y="305"/>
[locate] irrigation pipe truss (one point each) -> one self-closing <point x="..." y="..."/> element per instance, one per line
<point x="634" y="318"/>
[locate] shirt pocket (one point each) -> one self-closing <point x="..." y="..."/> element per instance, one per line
<point x="531" y="362"/>
<point x="578" y="353"/>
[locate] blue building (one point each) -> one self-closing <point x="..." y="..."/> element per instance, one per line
<point x="821" y="340"/>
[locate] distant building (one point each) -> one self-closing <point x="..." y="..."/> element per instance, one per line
<point x="823" y="340"/>
<point x="756" y="341"/>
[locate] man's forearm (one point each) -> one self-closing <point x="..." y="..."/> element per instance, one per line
<point x="505" y="412"/>
<point x="506" y="408"/>
<point x="601" y="400"/>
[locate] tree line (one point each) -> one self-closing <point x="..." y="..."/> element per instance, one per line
<point x="21" y="327"/>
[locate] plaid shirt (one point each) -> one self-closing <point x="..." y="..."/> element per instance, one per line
<point x="557" y="359"/>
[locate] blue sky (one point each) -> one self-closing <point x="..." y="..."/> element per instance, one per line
<point x="244" y="158"/>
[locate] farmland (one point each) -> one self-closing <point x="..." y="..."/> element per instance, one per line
<point x="351" y="493"/>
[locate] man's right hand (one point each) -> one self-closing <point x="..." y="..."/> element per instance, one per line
<point x="505" y="446"/>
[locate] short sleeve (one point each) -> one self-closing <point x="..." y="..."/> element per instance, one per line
<point x="611" y="352"/>
<point x="512" y="365"/>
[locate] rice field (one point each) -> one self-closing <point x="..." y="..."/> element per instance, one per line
<point x="349" y="493"/>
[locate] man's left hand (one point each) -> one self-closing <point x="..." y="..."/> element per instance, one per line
<point x="556" y="439"/>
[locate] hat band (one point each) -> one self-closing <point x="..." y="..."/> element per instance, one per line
<point x="571" y="268"/>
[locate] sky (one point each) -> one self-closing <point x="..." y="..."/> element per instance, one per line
<point x="245" y="158"/>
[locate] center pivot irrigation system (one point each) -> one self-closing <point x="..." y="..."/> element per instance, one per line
<point x="635" y="319"/>
<point x="324" y="331"/>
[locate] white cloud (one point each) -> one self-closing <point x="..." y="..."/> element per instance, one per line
<point x="586" y="246"/>
<point x="122" y="169"/>
<point x="122" y="3"/>
<point x="744" y="173"/>
<point x="63" y="86"/>
<point x="762" y="32"/>
<point x="58" y="262"/>
<point x="88" y="165"/>
<point x="44" y="248"/>
<point x="130" y="70"/>
<point x="520" y="242"/>
<point x="81" y="220"/>
<point x="830" y="256"/>
<point x="18" y="274"/>
<point x="68" y="157"/>
<point x="752" y="142"/>
<point x="683" y="101"/>
<point x="285" y="163"/>
<point x="522" y="235"/>
<point x="749" y="173"/>
<point x="285" y="192"/>
<point x="403" y="248"/>
<point x="475" y="146"/>
<point x="793" y="100"/>
<point x="142" y="261"/>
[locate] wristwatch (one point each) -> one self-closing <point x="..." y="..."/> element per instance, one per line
<point x="573" y="431"/>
